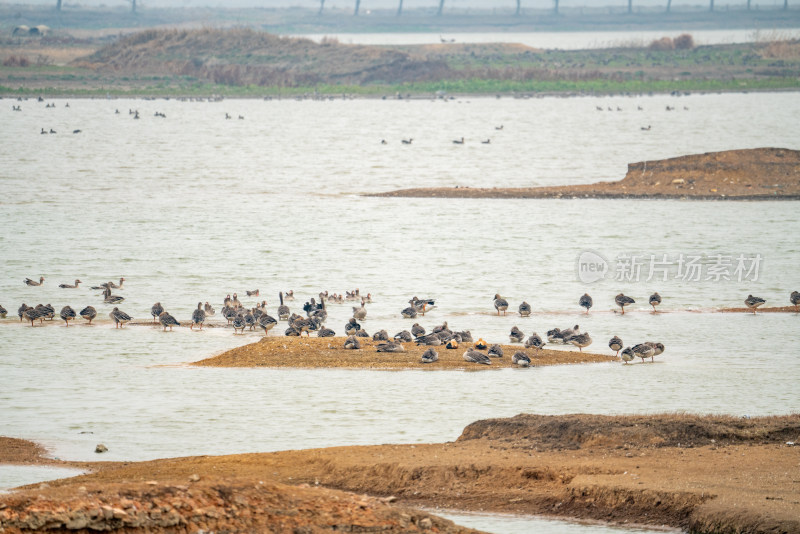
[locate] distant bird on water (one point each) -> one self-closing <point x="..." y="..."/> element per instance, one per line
<point x="525" y="309"/>
<point x="655" y="300"/>
<point x="3" y="312"/>
<point x="585" y="302"/>
<point x="115" y="286"/>
<point x="794" y="298"/>
<point x="70" y="286"/>
<point x="623" y="301"/>
<point x="753" y="302"/>
<point x="500" y="304"/>
<point x="34" y="283"/>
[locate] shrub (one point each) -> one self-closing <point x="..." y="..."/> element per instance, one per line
<point x="684" y="42"/>
<point x="665" y="43"/>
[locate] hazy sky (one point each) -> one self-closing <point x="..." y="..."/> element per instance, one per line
<point x="366" y="5"/>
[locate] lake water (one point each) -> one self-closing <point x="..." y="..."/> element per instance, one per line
<point x="563" y="40"/>
<point x="192" y="207"/>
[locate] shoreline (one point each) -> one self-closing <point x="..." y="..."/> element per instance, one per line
<point x="698" y="473"/>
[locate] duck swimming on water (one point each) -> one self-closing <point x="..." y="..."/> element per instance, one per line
<point x="70" y="286"/>
<point x="34" y="283"/>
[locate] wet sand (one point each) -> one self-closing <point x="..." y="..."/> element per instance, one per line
<point x="316" y="353"/>
<point x="753" y="174"/>
<point x="697" y="473"/>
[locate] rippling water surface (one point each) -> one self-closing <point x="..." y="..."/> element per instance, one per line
<point x="193" y="206"/>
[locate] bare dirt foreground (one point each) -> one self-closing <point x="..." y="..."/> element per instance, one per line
<point x="754" y="174"/>
<point x="697" y="473"/>
<point x="325" y="353"/>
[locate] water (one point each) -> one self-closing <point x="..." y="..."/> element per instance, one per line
<point x="563" y="40"/>
<point x="192" y="207"/>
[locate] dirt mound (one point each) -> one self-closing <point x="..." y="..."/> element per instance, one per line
<point x="214" y="506"/>
<point x="585" y="431"/>
<point x="247" y="57"/>
<point x="760" y="173"/>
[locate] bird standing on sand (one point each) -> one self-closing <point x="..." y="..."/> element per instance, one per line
<point x="521" y="359"/>
<point x="70" y="286"/>
<point x="198" y="317"/>
<point x="794" y="298"/>
<point x="167" y="320"/>
<point x="68" y="314"/>
<point x="525" y="309"/>
<point x="615" y="344"/>
<point x="155" y="310"/>
<point x="119" y="317"/>
<point x="753" y="302"/>
<point x="88" y="313"/>
<point x="500" y="304"/>
<point x="655" y="300"/>
<point x="283" y="309"/>
<point x="534" y="341"/>
<point x="585" y="302"/>
<point x="580" y="340"/>
<point x="34" y="283"/>
<point x="623" y="301"/>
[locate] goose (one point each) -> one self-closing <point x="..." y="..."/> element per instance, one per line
<point x="108" y="298"/>
<point x="155" y="311"/>
<point x="409" y="313"/>
<point x="239" y="323"/>
<point x="429" y="356"/>
<point x="422" y="305"/>
<point x="516" y="335"/>
<point x="302" y="324"/>
<point x="643" y="350"/>
<point x="362" y="333"/>
<point x="615" y="344"/>
<point x="498" y="127"/>
<point x="236" y="303"/>
<point x="352" y="343"/>
<point x="102" y="286"/>
<point x="267" y="323"/>
<point x="476" y="356"/>
<point x="290" y="332"/>
<point x="495" y="351"/>
<point x="585" y="302"/>
<point x="34" y="283"/>
<point x="119" y="317"/>
<point x="554" y="335"/>
<point x="486" y="142"/>
<point x="623" y="301"/>
<point x="627" y="355"/>
<point x="289" y="295"/>
<point x="430" y="339"/>
<point x="351" y="327"/>
<point x="405" y="335"/>
<point x="407" y="141"/>
<point x="250" y="320"/>
<point x="112" y="285"/>
<point x="3" y="312"/>
<point x="88" y="313"/>
<point x="68" y="314"/>
<point x="500" y="304"/>
<point x="254" y="293"/>
<point x="458" y="141"/>
<point x="564" y="335"/>
<point x="380" y="335"/>
<point x="466" y="336"/>
<point x="70" y="286"/>
<point x="390" y="347"/>
<point x="209" y="309"/>
<point x="47" y="311"/>
<point x="227" y="302"/>
<point x="21" y="311"/>
<point x="658" y="348"/>
<point x="534" y="342"/>
<point x="794" y="298"/>
<point x="441" y="328"/>
<point x="525" y="309"/>
<point x="325" y="332"/>
<point x="283" y="309"/>
<point x="521" y="359"/>
<point x="655" y="300"/>
<point x="167" y="320"/>
<point x="198" y="317"/>
<point x="417" y="330"/>
<point x="31" y="314"/>
<point x="360" y="314"/>
<point x="229" y="314"/>
<point x="580" y="340"/>
<point x="753" y="302"/>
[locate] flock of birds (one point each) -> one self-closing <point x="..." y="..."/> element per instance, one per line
<point x="241" y="318"/>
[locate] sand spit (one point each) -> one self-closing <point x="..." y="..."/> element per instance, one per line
<point x="320" y="353"/>
<point x="753" y="174"/>
<point x="697" y="473"/>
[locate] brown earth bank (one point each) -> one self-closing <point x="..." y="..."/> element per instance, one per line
<point x="329" y="352"/>
<point x="697" y="473"/>
<point x="776" y="309"/>
<point x="752" y="174"/>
